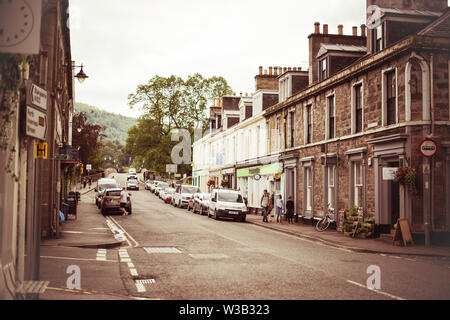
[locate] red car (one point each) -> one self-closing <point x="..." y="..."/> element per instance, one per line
<point x="169" y="195"/>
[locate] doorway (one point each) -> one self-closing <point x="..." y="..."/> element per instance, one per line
<point x="391" y="197"/>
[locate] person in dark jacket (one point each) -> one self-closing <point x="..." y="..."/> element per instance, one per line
<point x="290" y="209"/>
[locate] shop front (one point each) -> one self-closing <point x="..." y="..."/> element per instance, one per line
<point x="252" y="181"/>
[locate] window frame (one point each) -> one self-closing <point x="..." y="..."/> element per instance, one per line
<point x="388" y="101"/>
<point x="308" y="123"/>
<point x="330" y="116"/>
<point x="355" y="108"/>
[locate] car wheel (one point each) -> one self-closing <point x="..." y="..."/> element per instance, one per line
<point x="216" y="217"/>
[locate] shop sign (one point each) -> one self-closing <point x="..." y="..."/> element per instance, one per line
<point x="257" y="177"/>
<point x="428" y="148"/>
<point x="36" y="123"/>
<point x="269" y="169"/>
<point x="389" y="173"/>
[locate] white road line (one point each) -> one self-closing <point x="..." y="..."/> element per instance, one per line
<point x="76" y="259"/>
<point x="130" y="265"/>
<point x="125" y="260"/>
<point x="140" y="287"/>
<point x="133" y="272"/>
<point x="375" y="290"/>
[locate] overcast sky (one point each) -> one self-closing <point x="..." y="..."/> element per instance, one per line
<point x="125" y="43"/>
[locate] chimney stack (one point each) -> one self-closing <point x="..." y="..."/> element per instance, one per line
<point x="325" y="29"/>
<point x="363" y="30"/>
<point x="355" y="31"/>
<point x="317" y="28"/>
<point x="340" y="29"/>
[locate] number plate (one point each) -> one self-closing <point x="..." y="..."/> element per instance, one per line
<point x="233" y="212"/>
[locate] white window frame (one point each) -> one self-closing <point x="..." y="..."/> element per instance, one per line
<point x="309" y="189"/>
<point x="384" y="95"/>
<point x="358" y="186"/>
<point x="278" y="133"/>
<point x="331" y="185"/>
<point x="327" y="117"/>
<point x="305" y="123"/>
<point x="353" y="103"/>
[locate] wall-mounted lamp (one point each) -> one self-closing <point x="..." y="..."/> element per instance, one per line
<point x="81" y="76"/>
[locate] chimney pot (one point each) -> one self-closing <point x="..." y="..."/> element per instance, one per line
<point x="284" y="69"/>
<point x="299" y="68"/>
<point x="317" y="28"/>
<point x="265" y="71"/>
<point x="340" y="29"/>
<point x="270" y="70"/>
<point x="260" y="71"/>
<point x="325" y="29"/>
<point x="355" y="31"/>
<point x="363" y="30"/>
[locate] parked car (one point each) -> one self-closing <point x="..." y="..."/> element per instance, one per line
<point x="201" y="204"/>
<point x="102" y="185"/>
<point x="182" y="195"/>
<point x="161" y="185"/>
<point x="154" y="185"/>
<point x="148" y="184"/>
<point x="191" y="202"/>
<point x="168" y="194"/>
<point x="226" y="203"/>
<point x="133" y="184"/>
<point x="162" y="193"/>
<point x="111" y="201"/>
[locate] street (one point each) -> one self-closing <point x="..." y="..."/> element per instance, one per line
<point x="173" y="254"/>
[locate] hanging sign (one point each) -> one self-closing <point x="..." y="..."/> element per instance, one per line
<point x="428" y="148"/>
<point x="36" y="123"/>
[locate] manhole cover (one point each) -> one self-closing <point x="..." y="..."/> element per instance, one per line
<point x="162" y="250"/>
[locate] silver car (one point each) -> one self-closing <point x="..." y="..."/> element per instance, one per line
<point x="102" y="185"/>
<point x="111" y="201"/>
<point x="133" y="184"/>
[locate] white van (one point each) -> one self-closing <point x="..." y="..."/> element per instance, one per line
<point x="226" y="203"/>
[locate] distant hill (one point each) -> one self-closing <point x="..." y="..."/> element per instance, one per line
<point x="117" y="126"/>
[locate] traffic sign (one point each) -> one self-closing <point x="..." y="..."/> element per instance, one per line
<point x="40" y="150"/>
<point x="428" y="148"/>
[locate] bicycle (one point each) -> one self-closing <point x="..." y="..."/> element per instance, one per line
<point x="325" y="222"/>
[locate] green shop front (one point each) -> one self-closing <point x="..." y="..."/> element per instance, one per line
<point x="253" y="180"/>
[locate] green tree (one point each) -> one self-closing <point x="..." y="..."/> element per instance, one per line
<point x="169" y="103"/>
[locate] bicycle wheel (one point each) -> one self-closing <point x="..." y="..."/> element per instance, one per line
<point x="322" y="225"/>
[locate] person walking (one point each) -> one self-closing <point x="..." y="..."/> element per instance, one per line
<point x="265" y="199"/>
<point x="84" y="182"/>
<point x="290" y="209"/>
<point x="279" y="206"/>
<point x="123" y="201"/>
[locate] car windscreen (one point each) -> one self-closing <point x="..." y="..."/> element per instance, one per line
<point x="163" y="185"/>
<point x="189" y="189"/>
<point x="107" y="186"/>
<point x="206" y="196"/>
<point x="114" y="193"/>
<point x="132" y="181"/>
<point x="230" y="197"/>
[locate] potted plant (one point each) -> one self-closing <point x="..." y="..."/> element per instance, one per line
<point x="408" y="177"/>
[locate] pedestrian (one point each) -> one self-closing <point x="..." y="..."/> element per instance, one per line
<point x="290" y="209"/>
<point x="90" y="181"/>
<point x="265" y="201"/>
<point x="84" y="182"/>
<point x="123" y="201"/>
<point x="279" y="208"/>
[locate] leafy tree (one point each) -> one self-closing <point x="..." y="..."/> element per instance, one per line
<point x="169" y="103"/>
<point x="87" y="136"/>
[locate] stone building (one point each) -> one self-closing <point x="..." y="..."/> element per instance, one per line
<point x="371" y="100"/>
<point x="30" y="194"/>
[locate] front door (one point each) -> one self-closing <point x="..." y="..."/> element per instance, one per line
<point x="393" y="200"/>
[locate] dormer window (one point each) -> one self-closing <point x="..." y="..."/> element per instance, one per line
<point x="323" y="69"/>
<point x="377" y="34"/>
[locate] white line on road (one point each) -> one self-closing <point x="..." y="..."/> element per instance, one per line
<point x="78" y="259"/>
<point x="140" y="287"/>
<point x="375" y="290"/>
<point x="130" y="265"/>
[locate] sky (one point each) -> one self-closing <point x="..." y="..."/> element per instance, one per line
<point x="123" y="44"/>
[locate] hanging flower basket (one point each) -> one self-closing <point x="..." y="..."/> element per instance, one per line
<point x="210" y="183"/>
<point x="408" y="177"/>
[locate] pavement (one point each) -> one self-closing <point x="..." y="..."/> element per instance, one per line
<point x="338" y="239"/>
<point x="89" y="229"/>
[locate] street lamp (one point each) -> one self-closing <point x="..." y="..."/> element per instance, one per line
<point x="81" y="76"/>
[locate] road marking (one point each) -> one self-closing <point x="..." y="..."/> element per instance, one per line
<point x="140" y="287"/>
<point x="209" y="256"/>
<point x="128" y="236"/>
<point x="131" y="265"/>
<point x="125" y="259"/>
<point x="146" y="281"/>
<point x="162" y="250"/>
<point x="101" y="255"/>
<point x="375" y="290"/>
<point x="133" y="272"/>
<point x="77" y="259"/>
<point x="74" y="232"/>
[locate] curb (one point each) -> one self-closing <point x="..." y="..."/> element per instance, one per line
<point x="108" y="245"/>
<point x="360" y="250"/>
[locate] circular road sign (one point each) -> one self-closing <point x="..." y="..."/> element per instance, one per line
<point x="428" y="148"/>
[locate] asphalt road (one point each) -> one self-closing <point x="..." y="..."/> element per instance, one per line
<point x="175" y="254"/>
